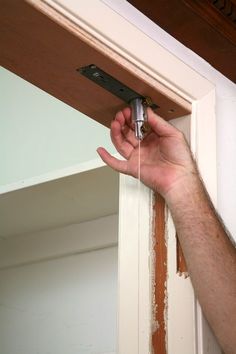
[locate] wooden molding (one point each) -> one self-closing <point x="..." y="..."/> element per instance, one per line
<point x="134" y="289"/>
<point x="160" y="249"/>
<point x="45" y="48"/>
<point x="221" y="15"/>
<point x="206" y="27"/>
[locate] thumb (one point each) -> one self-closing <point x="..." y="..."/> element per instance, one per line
<point x="159" y="125"/>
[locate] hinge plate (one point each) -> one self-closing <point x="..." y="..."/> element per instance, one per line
<point x="112" y="85"/>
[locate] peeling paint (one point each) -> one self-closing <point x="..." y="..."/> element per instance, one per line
<point x="159" y="278"/>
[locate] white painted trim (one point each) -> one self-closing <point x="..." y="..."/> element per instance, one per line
<point x="135" y="291"/>
<point x="206" y="341"/>
<point x="192" y="334"/>
<point x="180" y="317"/>
<point x="202" y="139"/>
<point x="203" y="145"/>
<point x="118" y="34"/>
<point x="203" y="142"/>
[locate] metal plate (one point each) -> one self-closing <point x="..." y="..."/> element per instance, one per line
<point x="111" y="84"/>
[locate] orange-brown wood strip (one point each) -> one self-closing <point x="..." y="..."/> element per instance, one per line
<point x="160" y="249"/>
<point x="181" y="263"/>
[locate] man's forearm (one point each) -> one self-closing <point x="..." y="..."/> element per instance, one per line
<point x="168" y="168"/>
<point x="210" y="257"/>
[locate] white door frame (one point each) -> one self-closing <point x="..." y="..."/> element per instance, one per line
<point x="121" y="37"/>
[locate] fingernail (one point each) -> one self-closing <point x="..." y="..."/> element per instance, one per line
<point x="117" y="115"/>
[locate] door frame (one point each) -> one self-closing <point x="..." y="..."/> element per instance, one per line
<point x="118" y="36"/>
<point x="134" y="330"/>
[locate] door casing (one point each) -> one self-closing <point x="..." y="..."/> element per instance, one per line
<point x="174" y="79"/>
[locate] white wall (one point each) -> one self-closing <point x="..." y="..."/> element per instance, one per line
<point x="62" y="303"/>
<point x="225" y="106"/>
<point x="40" y="134"/>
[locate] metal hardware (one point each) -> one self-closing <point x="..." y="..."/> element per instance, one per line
<point x="139" y="117"/>
<point x="137" y="102"/>
<point x="111" y="84"/>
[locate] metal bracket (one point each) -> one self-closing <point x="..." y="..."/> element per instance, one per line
<point x="112" y="85"/>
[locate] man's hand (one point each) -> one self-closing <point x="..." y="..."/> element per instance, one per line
<point x="168" y="168"/>
<point x="165" y="157"/>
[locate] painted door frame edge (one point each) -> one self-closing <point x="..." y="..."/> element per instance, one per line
<point x="135" y="249"/>
<point x="134" y="261"/>
<point x="191" y="334"/>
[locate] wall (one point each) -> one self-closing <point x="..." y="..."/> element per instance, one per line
<point x="65" y="303"/>
<point x="39" y="133"/>
<point x="58" y="287"/>
<point x="225" y="106"/>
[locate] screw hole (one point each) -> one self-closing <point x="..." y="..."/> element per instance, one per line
<point x="98" y="76"/>
<point x="121" y="90"/>
<point x="171" y="110"/>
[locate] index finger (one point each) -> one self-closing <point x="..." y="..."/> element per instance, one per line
<point x="159" y="125"/>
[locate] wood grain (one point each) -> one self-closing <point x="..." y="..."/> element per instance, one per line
<point x="45" y="49"/>
<point x="221" y="15"/>
<point x="160" y="249"/>
<point x="207" y="27"/>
